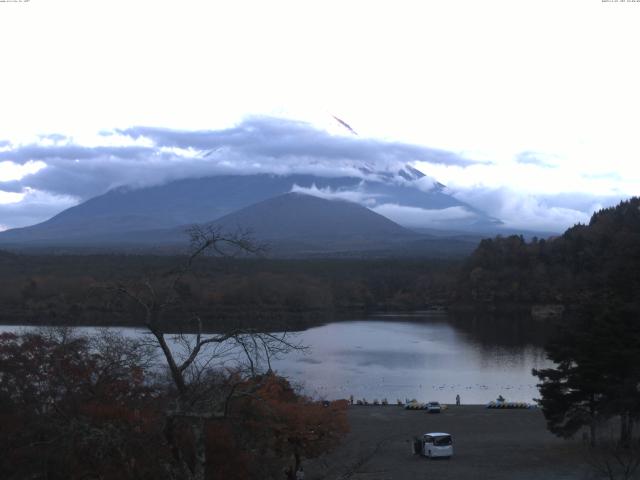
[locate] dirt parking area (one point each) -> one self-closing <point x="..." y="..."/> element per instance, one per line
<point x="488" y="444"/>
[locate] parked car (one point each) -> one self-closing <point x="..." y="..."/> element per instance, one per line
<point x="434" y="407"/>
<point x="437" y="444"/>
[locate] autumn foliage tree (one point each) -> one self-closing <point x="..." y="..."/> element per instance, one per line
<point x="278" y="428"/>
<point x="71" y="407"/>
<point x="190" y="354"/>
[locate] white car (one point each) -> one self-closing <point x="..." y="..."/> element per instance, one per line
<point x="437" y="444"/>
<point x="433" y="407"/>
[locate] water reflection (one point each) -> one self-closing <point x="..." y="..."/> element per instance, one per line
<point x="423" y="356"/>
<point x="427" y="356"/>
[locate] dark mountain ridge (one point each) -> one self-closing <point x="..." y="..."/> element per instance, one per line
<point x="291" y="225"/>
<point x="295" y="215"/>
<point x="206" y="199"/>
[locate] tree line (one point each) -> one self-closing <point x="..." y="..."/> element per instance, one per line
<point x="586" y="262"/>
<point x="59" y="289"/>
<point x="593" y="271"/>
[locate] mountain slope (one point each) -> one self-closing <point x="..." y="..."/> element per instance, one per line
<point x="291" y="225"/>
<point x="298" y="216"/>
<point x="205" y="199"/>
<point x="295" y="220"/>
<point x="294" y="225"/>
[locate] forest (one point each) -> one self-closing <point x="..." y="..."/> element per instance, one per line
<point x="590" y="262"/>
<point x="592" y="270"/>
<point x="274" y="293"/>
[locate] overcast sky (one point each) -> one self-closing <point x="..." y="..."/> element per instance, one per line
<point x="526" y="109"/>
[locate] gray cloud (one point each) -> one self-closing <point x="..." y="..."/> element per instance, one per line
<point x="13" y="186"/>
<point x="35" y="207"/>
<point x="55" y="137"/>
<point x="604" y="175"/>
<point x="550" y="213"/>
<point x="257" y="145"/>
<point x="534" y="158"/>
<point x="420" y="217"/>
<point x="143" y="156"/>
<point x="25" y="153"/>
<point x="582" y="201"/>
<point x="279" y="138"/>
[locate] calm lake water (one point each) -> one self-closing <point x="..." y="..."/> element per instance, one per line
<point x="427" y="356"/>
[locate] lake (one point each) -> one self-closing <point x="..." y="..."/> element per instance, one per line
<point x="426" y="356"/>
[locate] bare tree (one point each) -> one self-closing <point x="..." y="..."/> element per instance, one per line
<point x="614" y="461"/>
<point x="191" y="354"/>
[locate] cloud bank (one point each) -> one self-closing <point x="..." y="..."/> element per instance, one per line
<point x="422" y="217"/>
<point x="543" y="212"/>
<point x="32" y="207"/>
<point x="53" y="172"/>
<point x="59" y="168"/>
<point x="357" y="196"/>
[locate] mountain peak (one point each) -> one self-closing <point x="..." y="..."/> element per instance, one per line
<point x="297" y="215"/>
